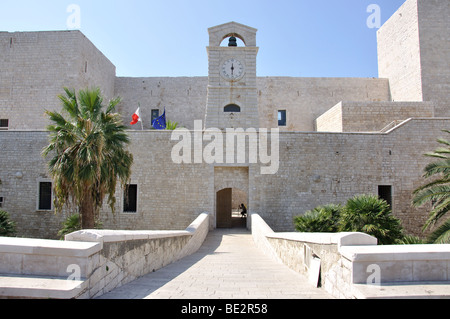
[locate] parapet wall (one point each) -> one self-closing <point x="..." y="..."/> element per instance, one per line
<point x="343" y="262"/>
<point x="90" y="263"/>
<point x="370" y="116"/>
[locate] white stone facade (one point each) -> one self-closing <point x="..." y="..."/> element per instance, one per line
<point x="331" y="148"/>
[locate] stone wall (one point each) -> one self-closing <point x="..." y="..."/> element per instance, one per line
<point x="352" y="265"/>
<point x="322" y="168"/>
<point x="414" y="53"/>
<point x="434" y="26"/>
<point x="90" y="263"/>
<point x="184" y="99"/>
<point x="399" y="54"/>
<point x="314" y="169"/>
<point x="37" y="65"/>
<point x="305" y="99"/>
<point x="370" y="116"/>
<point x="128" y="255"/>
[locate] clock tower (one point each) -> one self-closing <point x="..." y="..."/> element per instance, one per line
<point x="232" y="94"/>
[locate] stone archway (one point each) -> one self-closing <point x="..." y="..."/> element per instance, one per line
<point x="228" y="214"/>
<point x="230" y="187"/>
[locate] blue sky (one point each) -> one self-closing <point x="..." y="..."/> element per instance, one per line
<point x="321" y="38"/>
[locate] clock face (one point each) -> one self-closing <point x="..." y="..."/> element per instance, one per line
<point x="232" y="69"/>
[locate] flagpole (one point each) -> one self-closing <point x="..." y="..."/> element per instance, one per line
<point x="140" y="118"/>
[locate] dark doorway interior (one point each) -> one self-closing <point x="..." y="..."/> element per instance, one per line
<point x="226" y="216"/>
<point x="385" y="192"/>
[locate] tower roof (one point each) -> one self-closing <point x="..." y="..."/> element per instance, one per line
<point x="245" y="33"/>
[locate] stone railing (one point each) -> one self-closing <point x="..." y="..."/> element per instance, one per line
<point x="346" y="264"/>
<point x="90" y="263"/>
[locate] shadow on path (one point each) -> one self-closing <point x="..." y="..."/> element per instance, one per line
<point x="227" y="266"/>
<point x="147" y="284"/>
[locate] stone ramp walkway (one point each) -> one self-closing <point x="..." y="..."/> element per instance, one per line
<point x="227" y="266"/>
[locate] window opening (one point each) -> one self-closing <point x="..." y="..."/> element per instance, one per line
<point x="385" y="192"/>
<point x="4" y="124"/>
<point x="282" y="118"/>
<point x="45" y="196"/>
<point x="130" y="199"/>
<point x="232" y="108"/>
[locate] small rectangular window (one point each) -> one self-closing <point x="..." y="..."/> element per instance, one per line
<point x="282" y="118"/>
<point x="130" y="199"/>
<point x="385" y="192"/>
<point x="45" y="196"/>
<point x="4" y="124"/>
<point x="1" y="202"/>
<point x="155" y="115"/>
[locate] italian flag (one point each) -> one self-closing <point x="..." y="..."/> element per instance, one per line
<point x="136" y="117"/>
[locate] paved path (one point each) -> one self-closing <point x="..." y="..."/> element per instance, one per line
<point x="227" y="266"/>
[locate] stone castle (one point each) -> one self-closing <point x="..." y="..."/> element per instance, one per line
<point x="338" y="137"/>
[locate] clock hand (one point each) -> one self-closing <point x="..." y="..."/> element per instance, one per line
<point x="232" y="69"/>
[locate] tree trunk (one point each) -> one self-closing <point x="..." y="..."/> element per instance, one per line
<point x="87" y="212"/>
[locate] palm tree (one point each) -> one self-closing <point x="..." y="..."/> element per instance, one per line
<point x="88" y="155"/>
<point x="437" y="192"/>
<point x="322" y="219"/>
<point x="371" y="215"/>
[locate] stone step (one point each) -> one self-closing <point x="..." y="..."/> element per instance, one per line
<point x="39" y="287"/>
<point x="403" y="290"/>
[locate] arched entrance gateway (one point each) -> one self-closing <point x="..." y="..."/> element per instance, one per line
<point x="231" y="190"/>
<point x="228" y="211"/>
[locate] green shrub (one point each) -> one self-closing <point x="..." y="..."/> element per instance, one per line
<point x="363" y="213"/>
<point x="322" y="219"/>
<point x="7" y="226"/>
<point x="73" y="224"/>
<point x="371" y="215"/>
<point x="70" y="225"/>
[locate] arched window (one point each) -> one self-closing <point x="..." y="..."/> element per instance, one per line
<point x="232" y="108"/>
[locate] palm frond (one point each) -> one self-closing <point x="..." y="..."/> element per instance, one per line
<point x="441" y="235"/>
<point x="87" y="150"/>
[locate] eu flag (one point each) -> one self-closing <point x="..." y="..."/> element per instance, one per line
<point x="160" y="122"/>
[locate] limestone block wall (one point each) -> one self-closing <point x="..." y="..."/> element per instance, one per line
<point x="184" y="99"/>
<point x="434" y="27"/>
<point x="305" y="99"/>
<point x="21" y="169"/>
<point x="314" y="169"/>
<point x="321" y="168"/>
<point x="399" y="57"/>
<point x="37" y="65"/>
<point x="370" y="116"/>
<point x="127" y="255"/>
<point x="331" y="120"/>
<point x="414" y="53"/>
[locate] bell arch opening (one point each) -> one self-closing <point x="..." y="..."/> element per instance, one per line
<point x="240" y="42"/>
